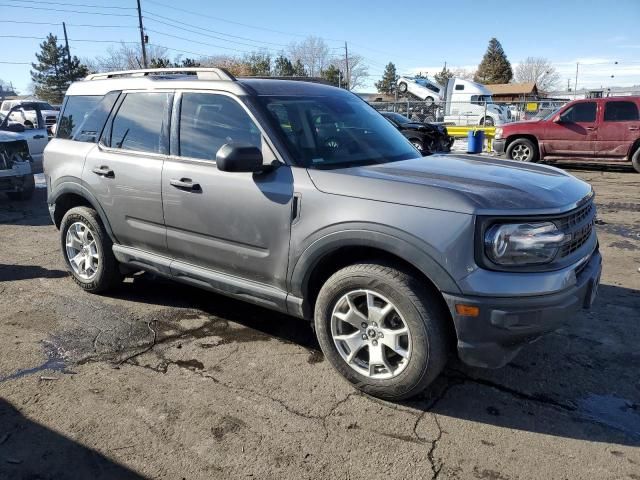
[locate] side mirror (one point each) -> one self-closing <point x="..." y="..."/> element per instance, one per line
<point x="239" y="158"/>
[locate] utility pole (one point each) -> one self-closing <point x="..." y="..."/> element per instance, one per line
<point x="346" y="61"/>
<point x="575" y="87"/>
<point x="66" y="43"/>
<point x="144" y="48"/>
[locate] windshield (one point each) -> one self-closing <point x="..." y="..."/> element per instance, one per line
<point x="551" y="114"/>
<point x="336" y="131"/>
<point x="44" y="106"/>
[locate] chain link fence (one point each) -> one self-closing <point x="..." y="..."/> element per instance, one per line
<point x="466" y="113"/>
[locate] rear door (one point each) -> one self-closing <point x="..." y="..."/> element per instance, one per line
<point x="231" y="223"/>
<point x="124" y="171"/>
<point x="618" y="129"/>
<point x="574" y="131"/>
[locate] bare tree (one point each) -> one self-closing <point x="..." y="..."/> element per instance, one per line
<point x="358" y="70"/>
<point x="125" y="57"/>
<point x="313" y="53"/>
<point x="538" y="70"/>
<point x="464" y="73"/>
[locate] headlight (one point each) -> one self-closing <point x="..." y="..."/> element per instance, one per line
<point x="498" y="134"/>
<point x="523" y="243"/>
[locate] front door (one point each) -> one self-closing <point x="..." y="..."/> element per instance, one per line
<point x="619" y="128"/>
<point x="573" y="133"/>
<point x="124" y="170"/>
<point x="35" y="132"/>
<point x="231" y="223"/>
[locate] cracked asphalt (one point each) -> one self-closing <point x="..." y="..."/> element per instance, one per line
<point x="160" y="380"/>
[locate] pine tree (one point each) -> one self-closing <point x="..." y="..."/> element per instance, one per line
<point x="389" y="78"/>
<point x="53" y="73"/>
<point x="443" y="77"/>
<point x="282" y="67"/>
<point x="495" y="67"/>
<point x="298" y="69"/>
<point x="332" y="75"/>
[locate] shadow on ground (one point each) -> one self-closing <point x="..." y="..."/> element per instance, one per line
<point x="10" y="273"/>
<point x="29" y="450"/>
<point x="33" y="212"/>
<point x="548" y="389"/>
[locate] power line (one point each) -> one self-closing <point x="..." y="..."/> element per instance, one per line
<point x="69" y="11"/>
<point x="27" y="37"/>
<point x="68" y="24"/>
<point x="65" y="4"/>
<point x="205" y="29"/>
<point x="15" y="63"/>
<point x="195" y="41"/>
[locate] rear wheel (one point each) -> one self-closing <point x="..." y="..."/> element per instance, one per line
<point x="417" y="143"/>
<point x="635" y="160"/>
<point x="402" y="88"/>
<point x="86" y="248"/>
<point x="428" y="101"/>
<point x="487" y="122"/>
<point x="523" y="150"/>
<point x="381" y="330"/>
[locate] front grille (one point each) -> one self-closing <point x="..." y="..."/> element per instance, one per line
<point x="578" y="224"/>
<point x="50" y="120"/>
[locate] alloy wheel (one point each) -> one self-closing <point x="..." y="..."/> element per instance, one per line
<point x="520" y="152"/>
<point x="82" y="251"/>
<point x="370" y="334"/>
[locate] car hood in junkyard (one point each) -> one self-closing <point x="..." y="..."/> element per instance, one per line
<point x="458" y="183"/>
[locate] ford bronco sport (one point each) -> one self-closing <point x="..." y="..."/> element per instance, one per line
<point x="227" y="184"/>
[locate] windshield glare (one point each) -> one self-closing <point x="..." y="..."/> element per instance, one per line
<point x="336" y="131"/>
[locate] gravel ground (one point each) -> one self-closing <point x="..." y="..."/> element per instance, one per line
<point x="158" y="380"/>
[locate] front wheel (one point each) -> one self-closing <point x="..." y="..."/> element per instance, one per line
<point x="382" y="330"/>
<point x="487" y="122"/>
<point x="635" y="160"/>
<point x="402" y="88"/>
<point x="523" y="150"/>
<point x="86" y="248"/>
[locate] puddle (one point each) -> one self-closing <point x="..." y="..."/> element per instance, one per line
<point x="615" y="412"/>
<point x="55" y="362"/>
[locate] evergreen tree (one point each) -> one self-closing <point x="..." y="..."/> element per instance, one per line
<point x="332" y="75"/>
<point x="53" y="73"/>
<point x="444" y="76"/>
<point x="282" y="67"/>
<point x="298" y="69"/>
<point x="388" y="82"/>
<point x="495" y="67"/>
<point x="259" y="64"/>
<point x="160" y="63"/>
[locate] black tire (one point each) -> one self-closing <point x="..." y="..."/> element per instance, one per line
<point x="487" y="122"/>
<point x="635" y="160"/>
<point x="27" y="190"/>
<point x="520" y="144"/>
<point x="418" y="144"/>
<point x="421" y="310"/>
<point x="402" y="88"/>
<point x="428" y="101"/>
<point x="108" y="273"/>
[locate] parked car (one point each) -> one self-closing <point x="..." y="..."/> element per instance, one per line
<point x="227" y="184"/>
<point x="426" y="137"/>
<point x="606" y="129"/>
<point x="34" y="130"/>
<point x="27" y="114"/>
<point x="16" y="176"/>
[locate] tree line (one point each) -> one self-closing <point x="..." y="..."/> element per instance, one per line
<point x="55" y="69"/>
<point x="494" y="68"/>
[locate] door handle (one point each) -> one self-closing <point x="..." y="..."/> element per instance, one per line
<point x="104" y="171"/>
<point x="185" y="184"/>
<point x="591" y="129"/>
<point x="634" y="128"/>
<point x="38" y="137"/>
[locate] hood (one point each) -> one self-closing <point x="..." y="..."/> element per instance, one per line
<point x="462" y="184"/>
<point x="521" y="123"/>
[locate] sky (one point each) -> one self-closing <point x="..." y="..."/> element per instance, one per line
<point x="418" y="36"/>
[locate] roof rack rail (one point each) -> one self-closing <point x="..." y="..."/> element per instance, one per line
<point x="209" y="73"/>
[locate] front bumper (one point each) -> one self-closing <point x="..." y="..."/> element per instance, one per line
<point x="498" y="145"/>
<point x="13" y="179"/>
<point x="505" y="324"/>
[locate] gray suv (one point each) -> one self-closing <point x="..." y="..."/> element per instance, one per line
<point x="301" y="198"/>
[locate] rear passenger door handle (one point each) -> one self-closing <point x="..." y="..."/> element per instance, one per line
<point x="38" y="137"/>
<point x="591" y="129"/>
<point x="185" y="184"/>
<point x="104" y="172"/>
<point x="634" y="128"/>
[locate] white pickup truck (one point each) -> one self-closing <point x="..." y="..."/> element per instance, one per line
<point x="16" y="175"/>
<point x="27" y="120"/>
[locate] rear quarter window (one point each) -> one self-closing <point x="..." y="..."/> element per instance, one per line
<point x="76" y="109"/>
<point x="620" y="111"/>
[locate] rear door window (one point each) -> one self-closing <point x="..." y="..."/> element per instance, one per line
<point x="620" y="112"/>
<point x="580" y="113"/>
<point x="141" y="123"/>
<point x="76" y="110"/>
<point x="208" y="121"/>
<point x="89" y="130"/>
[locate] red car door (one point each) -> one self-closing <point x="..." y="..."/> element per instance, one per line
<point x="573" y="130"/>
<point x="619" y="128"/>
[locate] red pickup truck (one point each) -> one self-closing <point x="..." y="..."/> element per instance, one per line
<point x="606" y="129"/>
